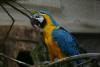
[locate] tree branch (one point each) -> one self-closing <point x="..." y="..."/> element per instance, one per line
<point x="5" y="56"/>
<point x="76" y="57"/>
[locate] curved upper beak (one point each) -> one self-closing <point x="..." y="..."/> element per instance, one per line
<point x="35" y="25"/>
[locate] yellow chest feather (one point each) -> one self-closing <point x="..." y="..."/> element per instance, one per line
<point x="54" y="50"/>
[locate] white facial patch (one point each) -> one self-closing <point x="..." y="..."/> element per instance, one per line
<point x="40" y="19"/>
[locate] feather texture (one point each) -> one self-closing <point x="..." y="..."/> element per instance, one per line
<point x="59" y="41"/>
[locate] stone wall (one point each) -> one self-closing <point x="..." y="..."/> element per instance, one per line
<point x="21" y="38"/>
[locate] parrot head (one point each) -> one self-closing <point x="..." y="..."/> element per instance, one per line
<point x="42" y="19"/>
<point x="38" y="19"/>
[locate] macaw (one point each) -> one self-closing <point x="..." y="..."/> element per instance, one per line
<point x="59" y="42"/>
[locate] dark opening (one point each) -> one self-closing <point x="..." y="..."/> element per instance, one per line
<point x="25" y="57"/>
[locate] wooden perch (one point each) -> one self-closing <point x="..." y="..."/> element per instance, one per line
<point x="87" y="55"/>
<point x="75" y="57"/>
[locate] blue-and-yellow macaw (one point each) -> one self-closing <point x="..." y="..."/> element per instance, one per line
<point x="59" y="42"/>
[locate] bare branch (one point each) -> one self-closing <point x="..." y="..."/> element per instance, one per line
<point x="5" y="56"/>
<point x="6" y="37"/>
<point x="19" y="10"/>
<point x="76" y="57"/>
<point x="23" y="7"/>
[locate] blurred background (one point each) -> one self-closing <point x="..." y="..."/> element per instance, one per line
<point x="74" y="15"/>
<point x="80" y="17"/>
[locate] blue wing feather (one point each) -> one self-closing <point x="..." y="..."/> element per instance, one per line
<point x="65" y="41"/>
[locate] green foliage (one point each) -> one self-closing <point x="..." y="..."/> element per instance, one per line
<point x="39" y="54"/>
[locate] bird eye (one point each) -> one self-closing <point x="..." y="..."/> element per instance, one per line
<point x="36" y="16"/>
